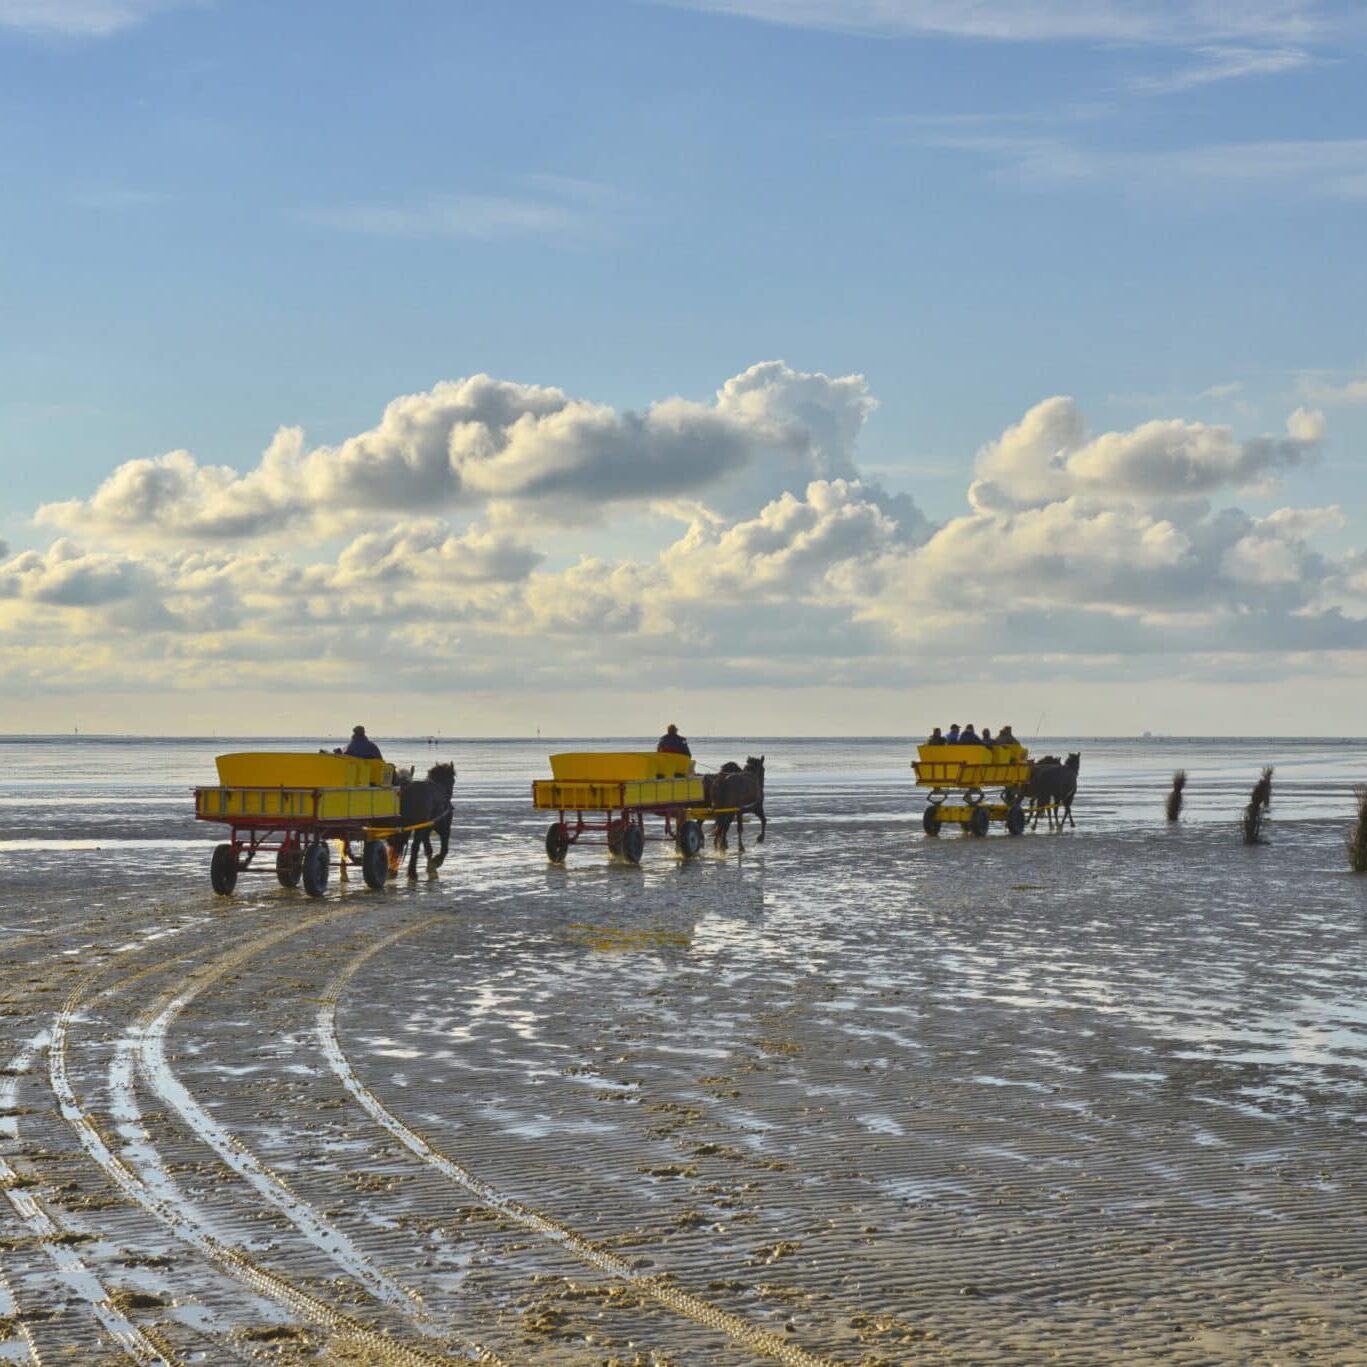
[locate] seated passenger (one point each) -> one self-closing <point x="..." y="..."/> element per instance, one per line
<point x="1004" y="736"/>
<point x="361" y="746"/>
<point x="953" y="737"/>
<point x="672" y="743"/>
<point x="936" y="738"/>
<point x="968" y="736"/>
<point x="987" y="737"/>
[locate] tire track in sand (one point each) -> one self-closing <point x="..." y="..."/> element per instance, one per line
<point x="380" y="1349"/>
<point x="655" y="1288"/>
<point x="143" y="1044"/>
<point x="84" y="1283"/>
<point x="53" y="1236"/>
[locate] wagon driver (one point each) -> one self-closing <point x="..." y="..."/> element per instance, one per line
<point x="672" y="743"/>
<point x="361" y="746"/>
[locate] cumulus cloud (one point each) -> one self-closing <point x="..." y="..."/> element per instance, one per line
<point x="1049" y="455"/>
<point x="1075" y="547"/>
<point x="467" y="442"/>
<point x="429" y="550"/>
<point x="65" y="576"/>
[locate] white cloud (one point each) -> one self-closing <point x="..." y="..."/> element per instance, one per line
<point x="1134" y="21"/>
<point x="1215" y="64"/>
<point x="1049" y="456"/>
<point x="468" y="442"/>
<point x="1320" y="390"/>
<point x="1081" y="547"/>
<point x="1043" y="158"/>
<point x="79" y="18"/>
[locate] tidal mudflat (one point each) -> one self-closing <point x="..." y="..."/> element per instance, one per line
<point x="853" y="1097"/>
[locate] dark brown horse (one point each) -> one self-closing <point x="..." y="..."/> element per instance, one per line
<point x="426" y="800"/>
<point x="1053" y="786"/>
<point x="741" y="790"/>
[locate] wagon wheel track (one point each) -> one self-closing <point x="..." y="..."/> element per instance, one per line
<point x="48" y="1230"/>
<point x="656" y="1288"/>
<point x="379" y="1347"/>
<point x="145" y="1040"/>
<point x="53" y="1235"/>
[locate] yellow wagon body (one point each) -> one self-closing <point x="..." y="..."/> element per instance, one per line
<point x="971" y="766"/>
<point x="284" y="769"/>
<point x="552" y="795"/>
<point x="606" y="780"/>
<point x="304" y="804"/>
<point x="619" y="766"/>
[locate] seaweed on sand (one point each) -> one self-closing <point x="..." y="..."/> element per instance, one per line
<point x="1173" y="807"/>
<point x="1256" y="813"/>
<point x="1357" y="837"/>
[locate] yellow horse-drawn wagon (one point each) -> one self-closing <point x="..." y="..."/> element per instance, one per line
<point x="959" y="777"/>
<point x="606" y="797"/>
<point x="292" y="805"/>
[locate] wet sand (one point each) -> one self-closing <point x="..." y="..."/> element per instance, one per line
<point x="855" y="1097"/>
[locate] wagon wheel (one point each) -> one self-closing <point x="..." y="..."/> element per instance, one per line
<point x="223" y="869"/>
<point x="689" y="838"/>
<point x="289" y="865"/>
<point x="1015" y="819"/>
<point x="375" y="863"/>
<point x="557" y="842"/>
<point x="615" y="829"/>
<point x="316" y="860"/>
<point x="979" y="822"/>
<point x="930" y="821"/>
<point x="633" y="843"/>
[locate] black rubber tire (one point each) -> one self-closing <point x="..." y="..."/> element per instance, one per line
<point x="979" y="823"/>
<point x="316" y="864"/>
<point x="633" y="843"/>
<point x="289" y="866"/>
<point x="1015" y="820"/>
<point x="930" y="823"/>
<point x="689" y="839"/>
<point x="375" y="864"/>
<point x="615" y="837"/>
<point x="223" y="870"/>
<point x="557" y="843"/>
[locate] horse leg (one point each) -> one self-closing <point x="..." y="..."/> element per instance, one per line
<point x="444" y="831"/>
<point x="740" y="832"/>
<point x="763" y="823"/>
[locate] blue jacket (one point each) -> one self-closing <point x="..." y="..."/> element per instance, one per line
<point x="362" y="747"/>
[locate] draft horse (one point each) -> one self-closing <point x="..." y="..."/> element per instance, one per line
<point x="1053" y="786"/>
<point x="742" y="790"/>
<point x="425" y="802"/>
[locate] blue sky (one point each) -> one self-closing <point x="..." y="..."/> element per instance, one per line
<point x="221" y="218"/>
